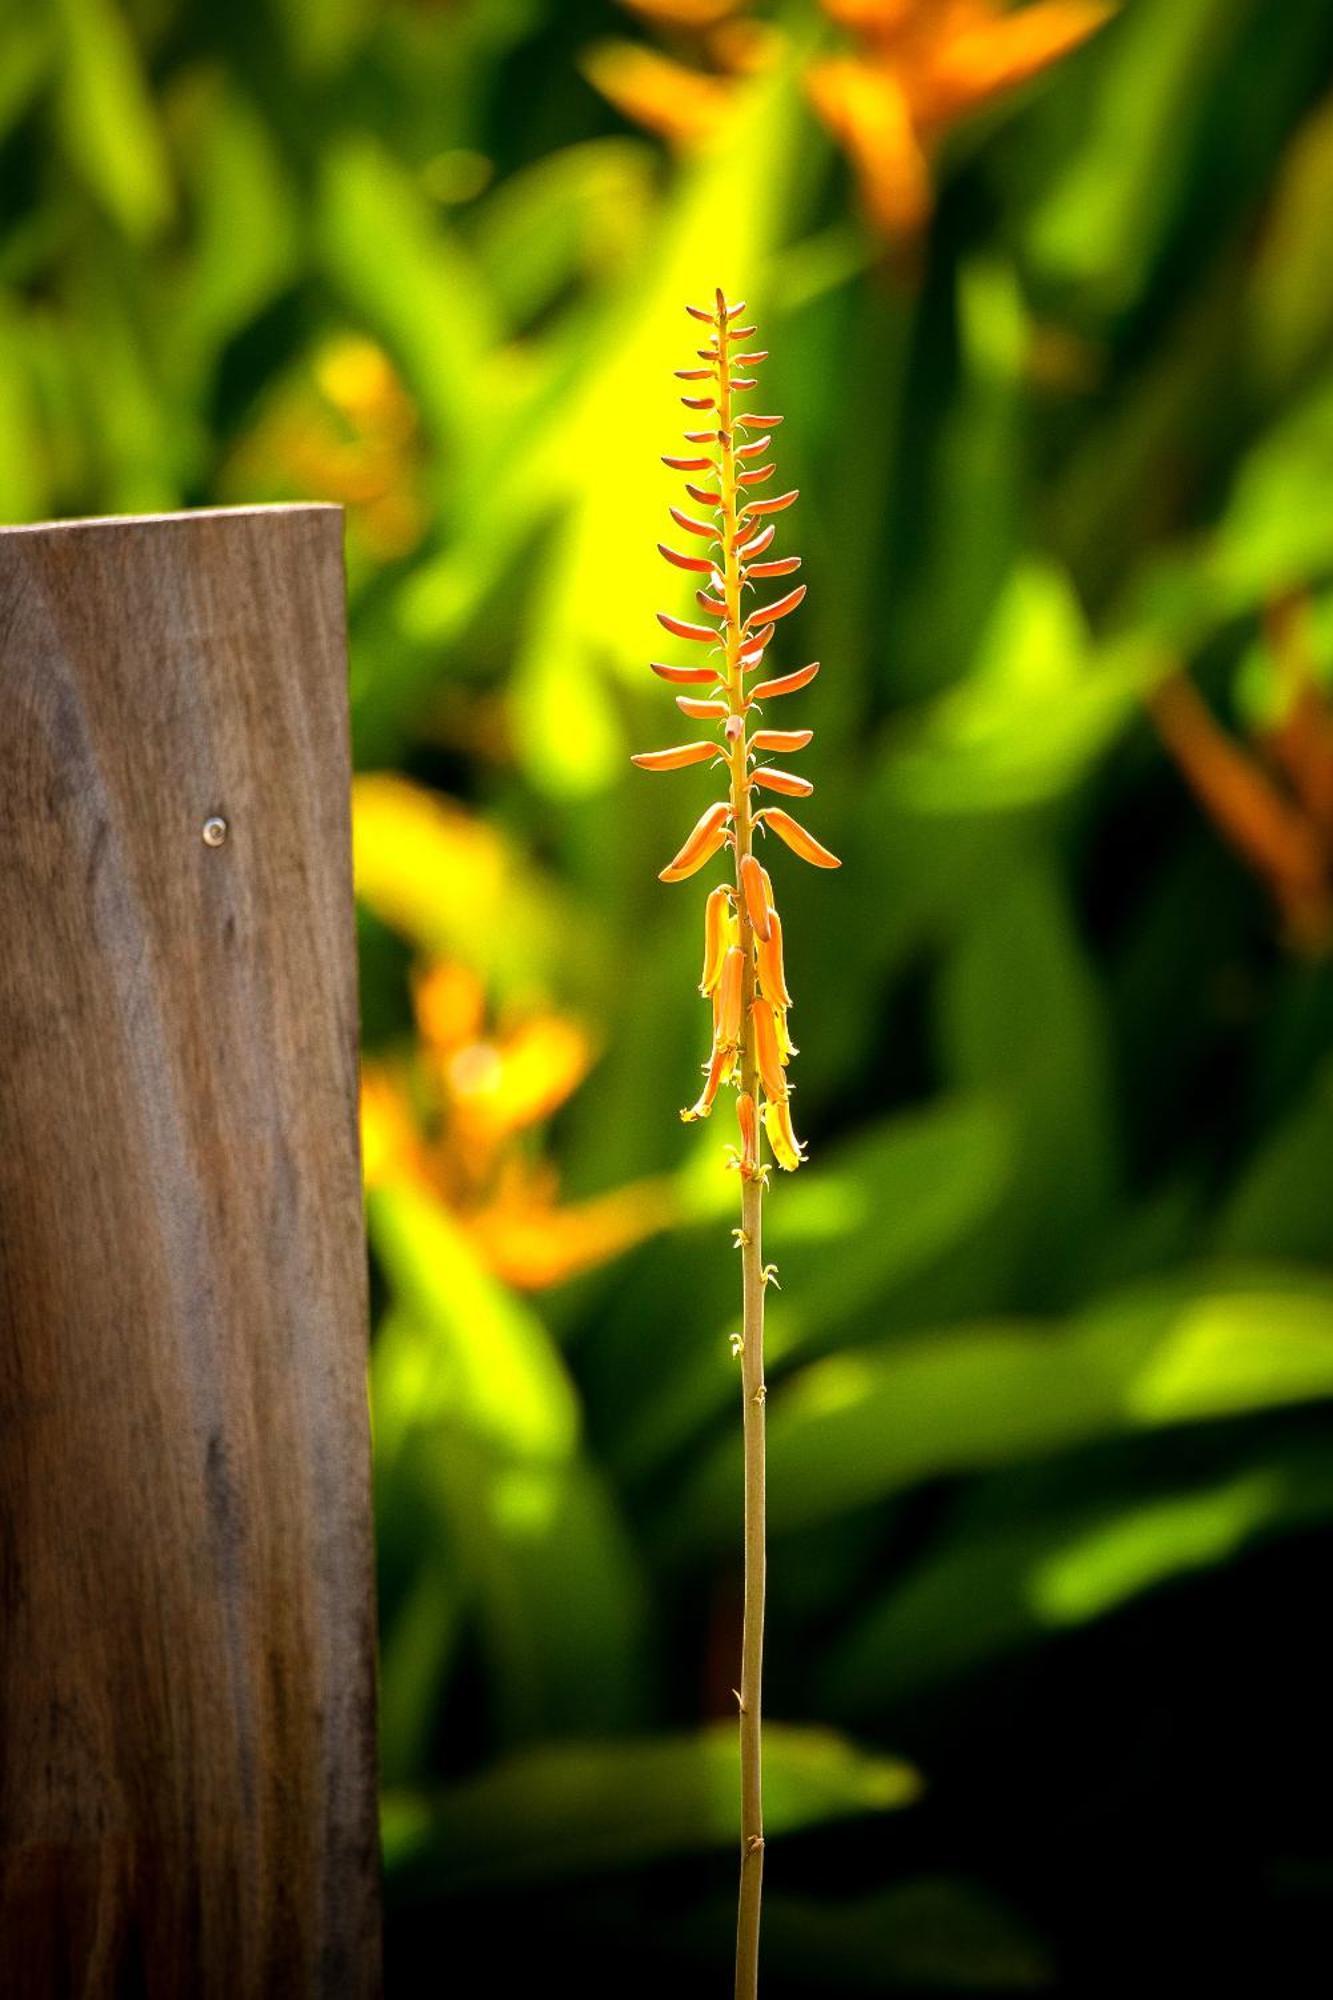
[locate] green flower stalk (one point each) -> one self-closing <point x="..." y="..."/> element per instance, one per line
<point x="743" y="975"/>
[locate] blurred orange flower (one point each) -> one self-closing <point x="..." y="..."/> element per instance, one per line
<point x="922" y="67"/>
<point x="458" y="1116"/>
<point x="916" y="68"/>
<point x="1275" y="808"/>
<point x="345" y="429"/>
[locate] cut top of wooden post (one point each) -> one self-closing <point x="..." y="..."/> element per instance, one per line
<point x="187" y="1768"/>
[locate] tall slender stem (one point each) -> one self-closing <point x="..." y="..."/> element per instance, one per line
<point x="751" y="1242"/>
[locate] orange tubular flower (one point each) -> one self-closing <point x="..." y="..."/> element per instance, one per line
<point x="743" y="973"/>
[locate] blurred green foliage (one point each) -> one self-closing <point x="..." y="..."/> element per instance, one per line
<point x="1052" y="1406"/>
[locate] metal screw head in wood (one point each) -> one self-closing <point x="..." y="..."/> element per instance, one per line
<point x="215" y="830"/>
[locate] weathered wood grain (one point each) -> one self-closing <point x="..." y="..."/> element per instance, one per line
<point x="187" y="1764"/>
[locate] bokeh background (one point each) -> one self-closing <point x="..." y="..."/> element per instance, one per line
<point x="1049" y="302"/>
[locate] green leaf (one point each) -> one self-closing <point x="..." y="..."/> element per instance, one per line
<point x="1021" y="1017"/>
<point x="1280" y="1206"/>
<point x="1037" y="707"/>
<point x="857" y="1427"/>
<point x="478" y="1462"/>
<point x="1102" y="223"/>
<point x="561" y="1811"/>
<point x="989" y="1590"/>
<point x="934" y="1934"/>
<point x="410" y="279"/>
<point x="108" y="122"/>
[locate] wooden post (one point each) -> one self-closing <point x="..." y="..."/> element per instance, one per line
<point x="187" y="1757"/>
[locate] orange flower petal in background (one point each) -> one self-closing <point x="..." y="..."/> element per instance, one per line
<point x="1301" y="743"/>
<point x="923" y="66"/>
<point x="685" y="13"/>
<point x="391" y="1148"/>
<point x="866" y="110"/>
<point x="504" y="1085"/>
<point x="449" y="1002"/>
<point x="991" y="50"/>
<point x="1264" y="827"/>
<point x="534" y="1246"/>
<point x="683" y="105"/>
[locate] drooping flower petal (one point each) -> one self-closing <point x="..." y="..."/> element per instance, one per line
<point x="797" y="838"/>
<point x="717" y="1069"/>
<point x="718" y="927"/>
<point x="766" y="1049"/>
<point x="701" y="711"/>
<point x="783" y="741"/>
<point x="728" y="1028"/>
<point x="787" y="1148"/>
<point x="772" y="972"/>
<point x="706" y="836"/>
<point x="780" y="566"/>
<point x="757" y="901"/>
<point x="749" y="1127"/>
